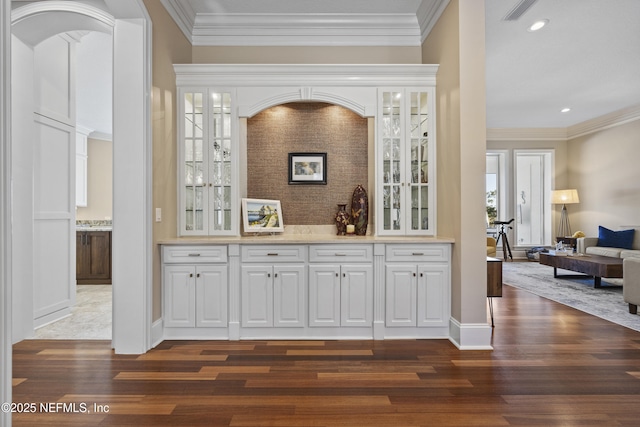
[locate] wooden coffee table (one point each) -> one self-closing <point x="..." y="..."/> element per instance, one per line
<point x="591" y="265"/>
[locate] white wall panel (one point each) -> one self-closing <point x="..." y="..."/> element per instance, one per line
<point x="54" y="79"/>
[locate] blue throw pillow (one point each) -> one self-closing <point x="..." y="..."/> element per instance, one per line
<point x="615" y="239"/>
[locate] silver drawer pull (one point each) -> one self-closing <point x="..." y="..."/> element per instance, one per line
<point x="418" y="253"/>
<point x="340" y="254"/>
<point x="194" y="254"/>
<point x="272" y="254"/>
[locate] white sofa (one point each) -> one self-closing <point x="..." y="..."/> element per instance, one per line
<point x="589" y="245"/>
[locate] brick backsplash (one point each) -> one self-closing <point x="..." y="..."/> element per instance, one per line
<point x="306" y="127"/>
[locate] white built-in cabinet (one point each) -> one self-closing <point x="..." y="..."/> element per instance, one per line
<point x="377" y="287"/>
<point x="405" y="170"/>
<point x="306" y="291"/>
<point x="273" y="286"/>
<point x="417" y="285"/>
<point x="195" y="287"/>
<point x="208" y="161"/>
<point x="341" y="285"/>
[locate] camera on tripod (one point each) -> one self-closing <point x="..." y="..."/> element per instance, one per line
<point x="506" y="248"/>
<point x="503" y="222"/>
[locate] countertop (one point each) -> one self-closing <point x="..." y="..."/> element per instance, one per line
<point x="94" y="228"/>
<point x="282" y="239"/>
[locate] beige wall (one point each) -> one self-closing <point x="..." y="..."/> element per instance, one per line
<point x="169" y="47"/>
<point x="306" y="55"/>
<point x="457" y="44"/>
<point x="99" y="181"/>
<point x="604" y="168"/>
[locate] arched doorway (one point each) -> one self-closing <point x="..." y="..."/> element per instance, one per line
<point x="35" y="22"/>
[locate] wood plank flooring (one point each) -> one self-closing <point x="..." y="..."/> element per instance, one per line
<point x="551" y="366"/>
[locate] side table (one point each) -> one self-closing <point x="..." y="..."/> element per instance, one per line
<point x="494" y="282"/>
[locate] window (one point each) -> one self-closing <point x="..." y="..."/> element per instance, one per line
<point x="495" y="189"/>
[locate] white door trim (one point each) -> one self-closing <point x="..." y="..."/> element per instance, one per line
<point x="5" y="209"/>
<point x="132" y="235"/>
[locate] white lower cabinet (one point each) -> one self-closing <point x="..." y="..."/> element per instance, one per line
<point x="195" y="296"/>
<point x="273" y="295"/>
<point x="195" y="291"/>
<point x="417" y="286"/>
<point x="314" y="291"/>
<point x="340" y="295"/>
<point x="417" y="295"/>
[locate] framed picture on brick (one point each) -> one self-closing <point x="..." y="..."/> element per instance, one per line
<point x="308" y="168"/>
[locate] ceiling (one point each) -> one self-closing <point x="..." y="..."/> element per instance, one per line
<point x="586" y="58"/>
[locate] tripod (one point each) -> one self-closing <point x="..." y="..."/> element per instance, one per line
<point x="506" y="249"/>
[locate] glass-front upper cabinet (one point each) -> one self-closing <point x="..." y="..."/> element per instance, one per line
<point x="405" y="146"/>
<point x="207" y="170"/>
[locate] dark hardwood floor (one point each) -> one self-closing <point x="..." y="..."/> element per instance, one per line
<point x="551" y="366"/>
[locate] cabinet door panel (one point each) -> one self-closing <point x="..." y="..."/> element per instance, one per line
<point x="179" y="296"/>
<point x="401" y="295"/>
<point x="211" y="296"/>
<point x="433" y="295"/>
<point x="289" y="295"/>
<point x="100" y="257"/>
<point x="357" y="295"/>
<point x="324" y="295"/>
<point x="257" y="296"/>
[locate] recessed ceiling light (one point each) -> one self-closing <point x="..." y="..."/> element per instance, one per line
<point x="565" y="110"/>
<point x="538" y="25"/>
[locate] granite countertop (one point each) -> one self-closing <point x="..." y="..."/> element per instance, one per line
<point x="94" y="225"/>
<point x="94" y="228"/>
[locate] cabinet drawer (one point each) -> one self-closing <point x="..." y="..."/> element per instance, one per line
<point x="419" y="253"/>
<point x="193" y="254"/>
<point x="275" y="253"/>
<point x="341" y="253"/>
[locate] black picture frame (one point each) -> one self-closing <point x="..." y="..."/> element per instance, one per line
<point x="307" y="168"/>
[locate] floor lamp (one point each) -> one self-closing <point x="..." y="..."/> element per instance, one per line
<point x="564" y="198"/>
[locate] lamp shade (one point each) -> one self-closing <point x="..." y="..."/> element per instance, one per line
<point x="564" y="197"/>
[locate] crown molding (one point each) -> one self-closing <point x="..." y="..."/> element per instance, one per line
<point x="607" y="121"/>
<point x="598" y="124"/>
<point x="182" y="14"/>
<point x="303" y="29"/>
<point x="297" y="29"/>
<point x="428" y="15"/>
<point x="317" y="75"/>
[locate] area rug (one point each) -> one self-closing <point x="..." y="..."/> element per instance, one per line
<point x="605" y="302"/>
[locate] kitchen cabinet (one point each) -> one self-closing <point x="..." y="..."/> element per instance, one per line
<point x="208" y="162"/>
<point x="405" y="152"/>
<point x="93" y="257"/>
<point x="417" y="286"/>
<point x="273" y="295"/>
<point x="273" y="286"/>
<point x="195" y="296"/>
<point x="278" y="288"/>
<point x="195" y="282"/>
<point x="341" y="286"/>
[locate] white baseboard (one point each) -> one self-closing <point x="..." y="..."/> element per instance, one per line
<point x="157" y="333"/>
<point x="470" y="336"/>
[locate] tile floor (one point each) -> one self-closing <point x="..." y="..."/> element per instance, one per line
<point x="90" y="317"/>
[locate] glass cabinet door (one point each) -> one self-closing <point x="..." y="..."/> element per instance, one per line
<point x="194" y="172"/>
<point x="404" y="150"/>
<point x="207" y="198"/>
<point x="220" y="154"/>
<point x="419" y="160"/>
<point x="392" y="130"/>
